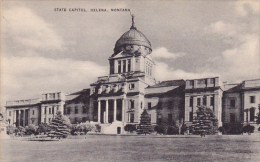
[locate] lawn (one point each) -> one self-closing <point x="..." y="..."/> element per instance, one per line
<point x="134" y="148"/>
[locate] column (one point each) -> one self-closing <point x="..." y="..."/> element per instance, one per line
<point x="19" y="117"/>
<point x="106" y="112"/>
<point x="115" y="110"/>
<point x="99" y="110"/>
<point x="24" y="117"/>
<point x="14" y="117"/>
<point x="123" y="110"/>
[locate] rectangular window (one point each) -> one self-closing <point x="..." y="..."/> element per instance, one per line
<point x="191" y="116"/>
<point x="58" y="107"/>
<point x="198" y="101"/>
<point x="252" y="114"/>
<point x="232" y="118"/>
<point x="119" y="66"/>
<point x="49" y="119"/>
<point x="132" y="104"/>
<point x="201" y="81"/>
<point x="170" y="104"/>
<point x="191" y="101"/>
<point x="204" y="100"/>
<point x="44" y="120"/>
<point x="68" y="110"/>
<point x="129" y="65"/>
<point x="53" y="109"/>
<point x="124" y="66"/>
<point x="84" y="110"/>
<point x="45" y="110"/>
<point x="149" y="105"/>
<point x="132" y="118"/>
<point x="131" y="86"/>
<point x="159" y="105"/>
<point x="212" y="81"/>
<point x="232" y="103"/>
<point x="50" y="110"/>
<point x="191" y="82"/>
<point x="252" y="99"/>
<point x="159" y="119"/>
<point x="33" y="112"/>
<point x="212" y="101"/>
<point x="169" y="118"/>
<point x="10" y="113"/>
<point x="76" y="110"/>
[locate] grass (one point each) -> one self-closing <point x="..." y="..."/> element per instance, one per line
<point x="134" y="148"/>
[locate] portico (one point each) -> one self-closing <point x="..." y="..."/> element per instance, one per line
<point x="110" y="110"/>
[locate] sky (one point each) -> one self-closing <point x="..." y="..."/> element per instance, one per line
<point x="43" y="50"/>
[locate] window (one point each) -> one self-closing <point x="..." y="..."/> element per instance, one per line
<point x="191" y="116"/>
<point x="232" y="103"/>
<point x="53" y="109"/>
<point x="141" y="105"/>
<point x="204" y="100"/>
<point x="131" y="86"/>
<point x="232" y="118"/>
<point x="84" y="109"/>
<point x="58" y="107"/>
<point x="45" y="110"/>
<point x="132" y="104"/>
<point x="44" y="120"/>
<point x="76" y="110"/>
<point x="50" y="110"/>
<point x="119" y="66"/>
<point x="201" y="81"/>
<point x="68" y="110"/>
<point x="159" y="119"/>
<point x="212" y="81"/>
<point x="159" y="105"/>
<point x="211" y="101"/>
<point x="132" y="117"/>
<point x="10" y="113"/>
<point x="198" y="101"/>
<point x="169" y="118"/>
<point x="129" y="65"/>
<point x="252" y="114"/>
<point x="191" y="101"/>
<point x="170" y="104"/>
<point x="33" y="112"/>
<point x="149" y="105"/>
<point x="191" y="82"/>
<point x="124" y="66"/>
<point x="252" y="99"/>
<point x="49" y="119"/>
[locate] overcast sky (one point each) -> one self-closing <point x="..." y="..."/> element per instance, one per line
<point x="46" y="51"/>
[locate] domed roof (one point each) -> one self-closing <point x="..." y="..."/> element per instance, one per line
<point x="133" y="37"/>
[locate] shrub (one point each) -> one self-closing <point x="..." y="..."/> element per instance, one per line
<point x="20" y="131"/>
<point x="172" y="130"/>
<point x="221" y="129"/>
<point x="43" y="128"/>
<point x="31" y="129"/>
<point x="184" y="128"/>
<point x="130" y="128"/>
<point x="248" y="129"/>
<point x="160" y="129"/>
<point x="83" y="128"/>
<point x="259" y="129"/>
<point x="232" y="128"/>
<point x="10" y="129"/>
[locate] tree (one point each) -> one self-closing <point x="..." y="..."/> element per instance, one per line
<point x="204" y="122"/>
<point x="60" y="126"/>
<point x="180" y="124"/>
<point x="145" y="126"/>
<point x="248" y="129"/>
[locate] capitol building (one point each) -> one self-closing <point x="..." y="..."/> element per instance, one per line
<point x="120" y="97"/>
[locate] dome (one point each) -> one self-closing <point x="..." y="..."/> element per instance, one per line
<point x="132" y="37"/>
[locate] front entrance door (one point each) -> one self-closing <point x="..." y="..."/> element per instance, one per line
<point x="118" y="130"/>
